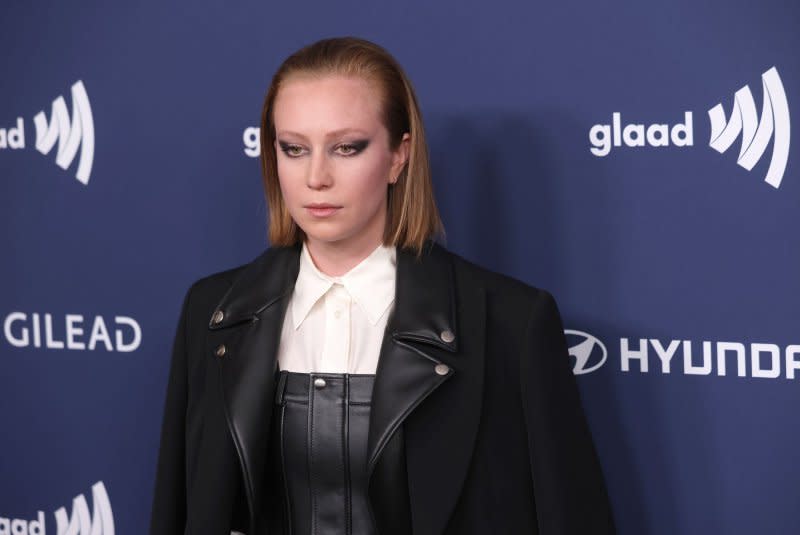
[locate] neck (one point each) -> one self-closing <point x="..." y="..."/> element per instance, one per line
<point x="335" y="259"/>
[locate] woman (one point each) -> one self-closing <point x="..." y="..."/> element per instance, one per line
<point x="357" y="378"/>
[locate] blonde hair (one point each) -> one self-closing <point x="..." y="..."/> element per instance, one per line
<point x="412" y="216"/>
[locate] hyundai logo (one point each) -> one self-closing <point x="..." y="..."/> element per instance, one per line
<point x="589" y="352"/>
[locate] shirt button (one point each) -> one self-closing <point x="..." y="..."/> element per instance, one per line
<point x="217" y="318"/>
<point x="337" y="314"/>
<point x="319" y="382"/>
<point x="441" y="369"/>
<point x="220" y="352"/>
<point x="447" y="336"/>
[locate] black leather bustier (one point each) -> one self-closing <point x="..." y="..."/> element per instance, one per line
<point x="318" y="454"/>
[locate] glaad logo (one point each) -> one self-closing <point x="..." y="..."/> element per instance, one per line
<point x="604" y="136"/>
<point x="252" y="141"/>
<point x="774" y="119"/>
<point x="756" y="134"/>
<point x="71" y="134"/>
<point x="79" y="522"/>
<point x="589" y="352"/>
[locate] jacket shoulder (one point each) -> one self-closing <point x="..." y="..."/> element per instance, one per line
<point x="206" y="292"/>
<point x="217" y="282"/>
<point x="497" y="285"/>
<point x="214" y="285"/>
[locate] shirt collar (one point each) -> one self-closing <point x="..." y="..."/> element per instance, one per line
<point x="371" y="284"/>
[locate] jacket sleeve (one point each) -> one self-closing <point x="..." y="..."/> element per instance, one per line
<point x="168" y="515"/>
<point x="568" y="483"/>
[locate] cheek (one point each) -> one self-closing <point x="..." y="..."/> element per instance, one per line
<point x="367" y="177"/>
<point x="289" y="178"/>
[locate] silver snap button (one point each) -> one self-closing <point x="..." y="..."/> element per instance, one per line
<point x="319" y="382"/>
<point x="220" y="352"/>
<point x="441" y="369"/>
<point x="447" y="336"/>
<point x="217" y="317"/>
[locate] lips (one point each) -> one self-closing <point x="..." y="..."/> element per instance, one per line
<point x="321" y="209"/>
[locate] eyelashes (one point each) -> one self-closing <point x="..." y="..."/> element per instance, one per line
<point x="353" y="148"/>
<point x="290" y="150"/>
<point x="347" y="150"/>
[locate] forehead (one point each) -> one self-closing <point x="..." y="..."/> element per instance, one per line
<point x="312" y="105"/>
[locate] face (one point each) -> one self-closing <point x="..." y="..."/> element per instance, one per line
<point x="334" y="160"/>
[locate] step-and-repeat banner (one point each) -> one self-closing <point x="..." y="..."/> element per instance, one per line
<point x="635" y="159"/>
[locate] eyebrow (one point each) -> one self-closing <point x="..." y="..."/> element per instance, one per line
<point x="335" y="133"/>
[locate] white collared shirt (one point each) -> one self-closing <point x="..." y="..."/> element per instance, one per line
<point x="336" y="324"/>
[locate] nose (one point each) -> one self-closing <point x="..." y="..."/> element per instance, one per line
<point x="319" y="174"/>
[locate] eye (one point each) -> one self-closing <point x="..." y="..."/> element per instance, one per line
<point x="351" y="149"/>
<point x="291" y="150"/>
<point x="346" y="149"/>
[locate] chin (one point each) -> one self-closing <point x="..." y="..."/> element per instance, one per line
<point x="325" y="235"/>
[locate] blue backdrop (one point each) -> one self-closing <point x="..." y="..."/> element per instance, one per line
<point x="675" y="268"/>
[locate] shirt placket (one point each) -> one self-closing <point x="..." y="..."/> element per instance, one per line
<point x="336" y="349"/>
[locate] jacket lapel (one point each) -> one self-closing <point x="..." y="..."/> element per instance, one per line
<point x="247" y="322"/>
<point x="430" y="381"/>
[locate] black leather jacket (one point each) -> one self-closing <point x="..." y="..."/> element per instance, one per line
<point x="497" y="444"/>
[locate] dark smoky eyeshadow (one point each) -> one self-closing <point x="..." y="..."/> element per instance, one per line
<point x="360" y="144"/>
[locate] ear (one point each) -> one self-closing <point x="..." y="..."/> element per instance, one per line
<point x="400" y="157"/>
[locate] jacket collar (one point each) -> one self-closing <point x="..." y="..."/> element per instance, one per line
<point x="425" y="299"/>
<point x="262" y="282"/>
<point x="420" y="316"/>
